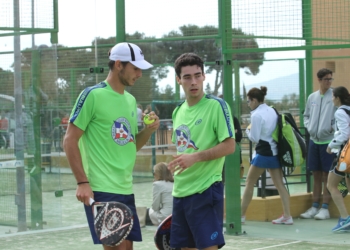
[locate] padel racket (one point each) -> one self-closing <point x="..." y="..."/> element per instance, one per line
<point x="112" y="220"/>
<point x="343" y="189"/>
<point x="162" y="236"/>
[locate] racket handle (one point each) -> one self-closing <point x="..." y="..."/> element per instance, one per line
<point x="91" y="201"/>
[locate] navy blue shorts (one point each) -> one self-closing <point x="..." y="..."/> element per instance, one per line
<point x="318" y="159"/>
<point x="197" y="220"/>
<point x="129" y="200"/>
<point x="261" y="161"/>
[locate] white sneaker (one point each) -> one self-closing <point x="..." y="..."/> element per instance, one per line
<point x="242" y="219"/>
<point x="283" y="220"/>
<point x="322" y="214"/>
<point x="310" y="213"/>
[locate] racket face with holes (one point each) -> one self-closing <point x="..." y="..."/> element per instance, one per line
<point x="113" y="222"/>
<point x="162" y="236"/>
<point x="343" y="189"/>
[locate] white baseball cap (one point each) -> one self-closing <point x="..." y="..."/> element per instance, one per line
<point x="129" y="52"/>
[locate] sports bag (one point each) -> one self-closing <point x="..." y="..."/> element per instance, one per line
<point x="344" y="155"/>
<point x="290" y="143"/>
<point x="344" y="159"/>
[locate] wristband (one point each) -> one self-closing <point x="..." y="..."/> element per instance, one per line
<point x="83" y="182"/>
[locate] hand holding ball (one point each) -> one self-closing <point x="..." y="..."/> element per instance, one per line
<point x="147" y="121"/>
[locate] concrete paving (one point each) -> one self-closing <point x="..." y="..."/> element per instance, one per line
<point x="305" y="234"/>
<point x="66" y="229"/>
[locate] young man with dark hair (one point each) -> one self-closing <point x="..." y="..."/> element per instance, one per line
<point x="204" y="135"/>
<point x="319" y="121"/>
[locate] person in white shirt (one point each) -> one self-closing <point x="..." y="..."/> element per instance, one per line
<point x="341" y="99"/>
<point x="263" y="123"/>
<point x="162" y="204"/>
<point x="319" y="122"/>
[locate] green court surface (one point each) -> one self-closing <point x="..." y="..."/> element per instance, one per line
<point x="72" y="231"/>
<point x="260" y="235"/>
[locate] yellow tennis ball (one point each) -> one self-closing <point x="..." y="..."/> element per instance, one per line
<point x="147" y="121"/>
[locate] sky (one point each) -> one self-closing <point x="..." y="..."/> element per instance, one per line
<point x="80" y="21"/>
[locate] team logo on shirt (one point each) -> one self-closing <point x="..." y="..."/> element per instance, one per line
<point x="121" y="131"/>
<point x="198" y="122"/>
<point x="183" y="139"/>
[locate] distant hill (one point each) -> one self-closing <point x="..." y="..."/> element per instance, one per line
<point x="278" y="87"/>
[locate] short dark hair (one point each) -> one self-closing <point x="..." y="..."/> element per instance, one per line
<point x="343" y="95"/>
<point x="258" y="94"/>
<point x="111" y="64"/>
<point x="323" y="72"/>
<point x="188" y="59"/>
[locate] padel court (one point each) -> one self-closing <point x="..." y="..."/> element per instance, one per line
<point x="74" y="233"/>
<point x="246" y="44"/>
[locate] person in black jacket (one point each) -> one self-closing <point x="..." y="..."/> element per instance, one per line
<point x="238" y="136"/>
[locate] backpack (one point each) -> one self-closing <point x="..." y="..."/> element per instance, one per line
<point x="344" y="155"/>
<point x="290" y="143"/>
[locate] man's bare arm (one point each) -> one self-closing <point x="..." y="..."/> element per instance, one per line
<point x="70" y="145"/>
<point x="224" y="148"/>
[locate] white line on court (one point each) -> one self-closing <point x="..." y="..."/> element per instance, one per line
<point x="294" y="242"/>
<point x="44" y="230"/>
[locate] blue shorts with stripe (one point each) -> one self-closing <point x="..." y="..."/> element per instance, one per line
<point x="129" y="200"/>
<point x="197" y="220"/>
<point x="318" y="159"/>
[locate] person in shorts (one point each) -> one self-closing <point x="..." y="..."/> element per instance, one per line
<point x="203" y="135"/>
<point x="341" y="99"/>
<point x="102" y="137"/>
<point x="319" y="121"/>
<point x="263" y="123"/>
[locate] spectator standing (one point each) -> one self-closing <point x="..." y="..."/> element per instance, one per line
<point x="319" y="121"/>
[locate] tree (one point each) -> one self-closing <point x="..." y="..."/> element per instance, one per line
<point x="244" y="107"/>
<point x="72" y="76"/>
<point x="73" y="63"/>
<point x="294" y="100"/>
<point x="285" y="102"/>
<point x="165" y="103"/>
<point x="6" y="82"/>
<point x="208" y="89"/>
<point x="209" y="51"/>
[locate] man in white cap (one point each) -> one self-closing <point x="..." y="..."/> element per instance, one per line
<point x="102" y="137"/>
